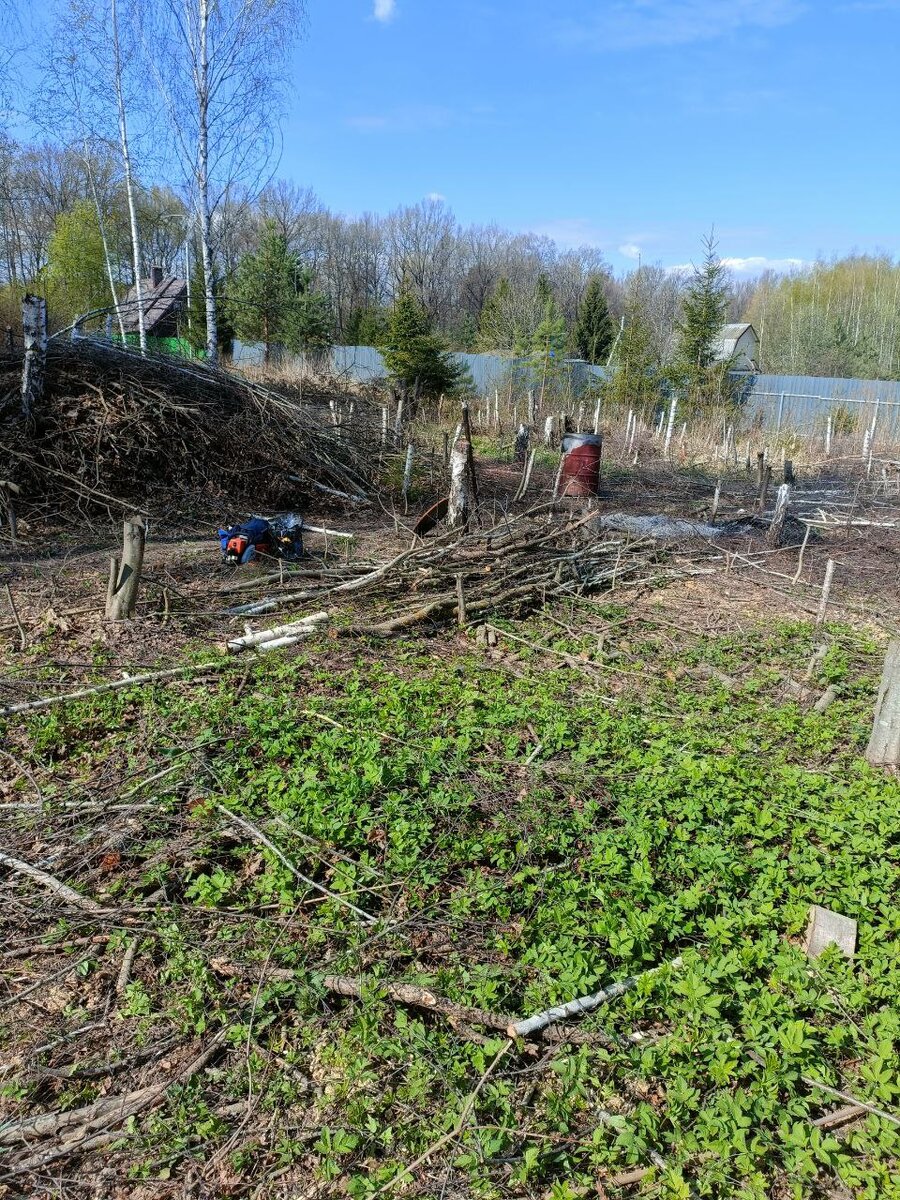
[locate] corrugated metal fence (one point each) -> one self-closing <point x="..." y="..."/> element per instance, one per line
<point x="798" y="402"/>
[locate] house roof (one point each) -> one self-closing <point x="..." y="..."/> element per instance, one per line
<point x="160" y="301"/>
<point x="733" y="332"/>
<point x="729" y="335"/>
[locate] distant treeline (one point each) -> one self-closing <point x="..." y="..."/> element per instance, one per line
<point x="64" y="228"/>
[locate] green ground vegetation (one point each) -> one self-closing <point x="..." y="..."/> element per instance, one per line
<point x="523" y="835"/>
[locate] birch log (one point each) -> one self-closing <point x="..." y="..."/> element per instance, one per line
<point x="585" y="1004"/>
<point x="884" y="743"/>
<point x="34" y="329"/>
<point x="125" y="577"/>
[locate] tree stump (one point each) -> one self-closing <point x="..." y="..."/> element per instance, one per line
<point x="776" y="529"/>
<point x="884" y="743"/>
<point x="521" y="451"/>
<point x="125" y="576"/>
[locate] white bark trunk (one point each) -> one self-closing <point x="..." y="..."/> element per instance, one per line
<point x="129" y="177"/>
<point x="202" y="91"/>
<point x="121" y="595"/>
<point x="34" y="330"/>
<point x="459" y="509"/>
<point x="884" y="743"/>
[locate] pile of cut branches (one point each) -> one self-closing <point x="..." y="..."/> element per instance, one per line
<point x="508" y="568"/>
<point x="118" y="428"/>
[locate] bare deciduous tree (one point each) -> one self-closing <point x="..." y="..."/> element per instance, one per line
<point x="220" y="65"/>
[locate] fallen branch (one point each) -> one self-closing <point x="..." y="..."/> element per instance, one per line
<point x="416" y="997"/>
<point x="103" y="1114"/>
<point x="260" y="837"/>
<point x="304" y="627"/>
<point x="114" y="686"/>
<point x="59" y="889"/>
<point x="585" y="1004"/>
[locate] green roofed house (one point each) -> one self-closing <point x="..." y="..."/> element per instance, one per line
<point x="164" y="301"/>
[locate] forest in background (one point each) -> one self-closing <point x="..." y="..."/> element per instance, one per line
<point x="148" y="136"/>
<point x="482" y="287"/>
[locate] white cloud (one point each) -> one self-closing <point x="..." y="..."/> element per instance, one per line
<point x="437" y="197"/>
<point x="385" y="10"/>
<point x="630" y="250"/>
<point x="756" y="264"/>
<point x="634" y="24"/>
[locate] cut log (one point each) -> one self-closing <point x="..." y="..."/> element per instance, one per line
<point x="884" y="743"/>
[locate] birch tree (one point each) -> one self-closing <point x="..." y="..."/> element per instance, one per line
<point x="90" y="74"/>
<point x="221" y="67"/>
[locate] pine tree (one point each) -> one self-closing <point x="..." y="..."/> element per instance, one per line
<point x="703" y="313"/>
<point x="593" y="333"/>
<point x="413" y="355"/>
<point x="545" y="348"/>
<point x="271" y="299"/>
<point x="635" y="382"/>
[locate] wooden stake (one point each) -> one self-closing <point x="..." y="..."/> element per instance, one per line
<point x="826" y="591"/>
<point x="460" y="602"/>
<point x="407" y="473"/>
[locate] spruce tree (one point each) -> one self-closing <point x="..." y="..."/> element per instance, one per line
<point x="635" y="381"/>
<point x="271" y="299"/>
<point x="413" y="355"/>
<point x="703" y="311"/>
<point x="593" y="333"/>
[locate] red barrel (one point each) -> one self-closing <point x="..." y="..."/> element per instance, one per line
<point x="581" y="464"/>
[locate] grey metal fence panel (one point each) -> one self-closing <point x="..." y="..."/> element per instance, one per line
<point x="806" y="402"/>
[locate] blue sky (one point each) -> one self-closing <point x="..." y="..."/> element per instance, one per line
<point x="632" y="125"/>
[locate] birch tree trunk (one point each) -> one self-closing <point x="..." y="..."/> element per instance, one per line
<point x="34" y="330"/>
<point x="202" y="90"/>
<point x="884" y="742"/>
<point x="129" y="175"/>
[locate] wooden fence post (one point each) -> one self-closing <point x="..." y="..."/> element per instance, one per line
<point x="125" y="577"/>
<point x="884" y="743"/>
<point x="34" y="329"/>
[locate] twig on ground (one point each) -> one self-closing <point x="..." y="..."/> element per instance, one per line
<point x="59" y="889"/>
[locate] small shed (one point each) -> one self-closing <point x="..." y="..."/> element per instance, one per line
<point x="164" y="299"/>
<point x="740" y="344"/>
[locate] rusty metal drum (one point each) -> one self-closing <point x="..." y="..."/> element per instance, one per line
<point x="581" y="464"/>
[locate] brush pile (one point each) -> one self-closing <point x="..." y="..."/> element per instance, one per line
<point x="507" y="569"/>
<point x="118" y="429"/>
